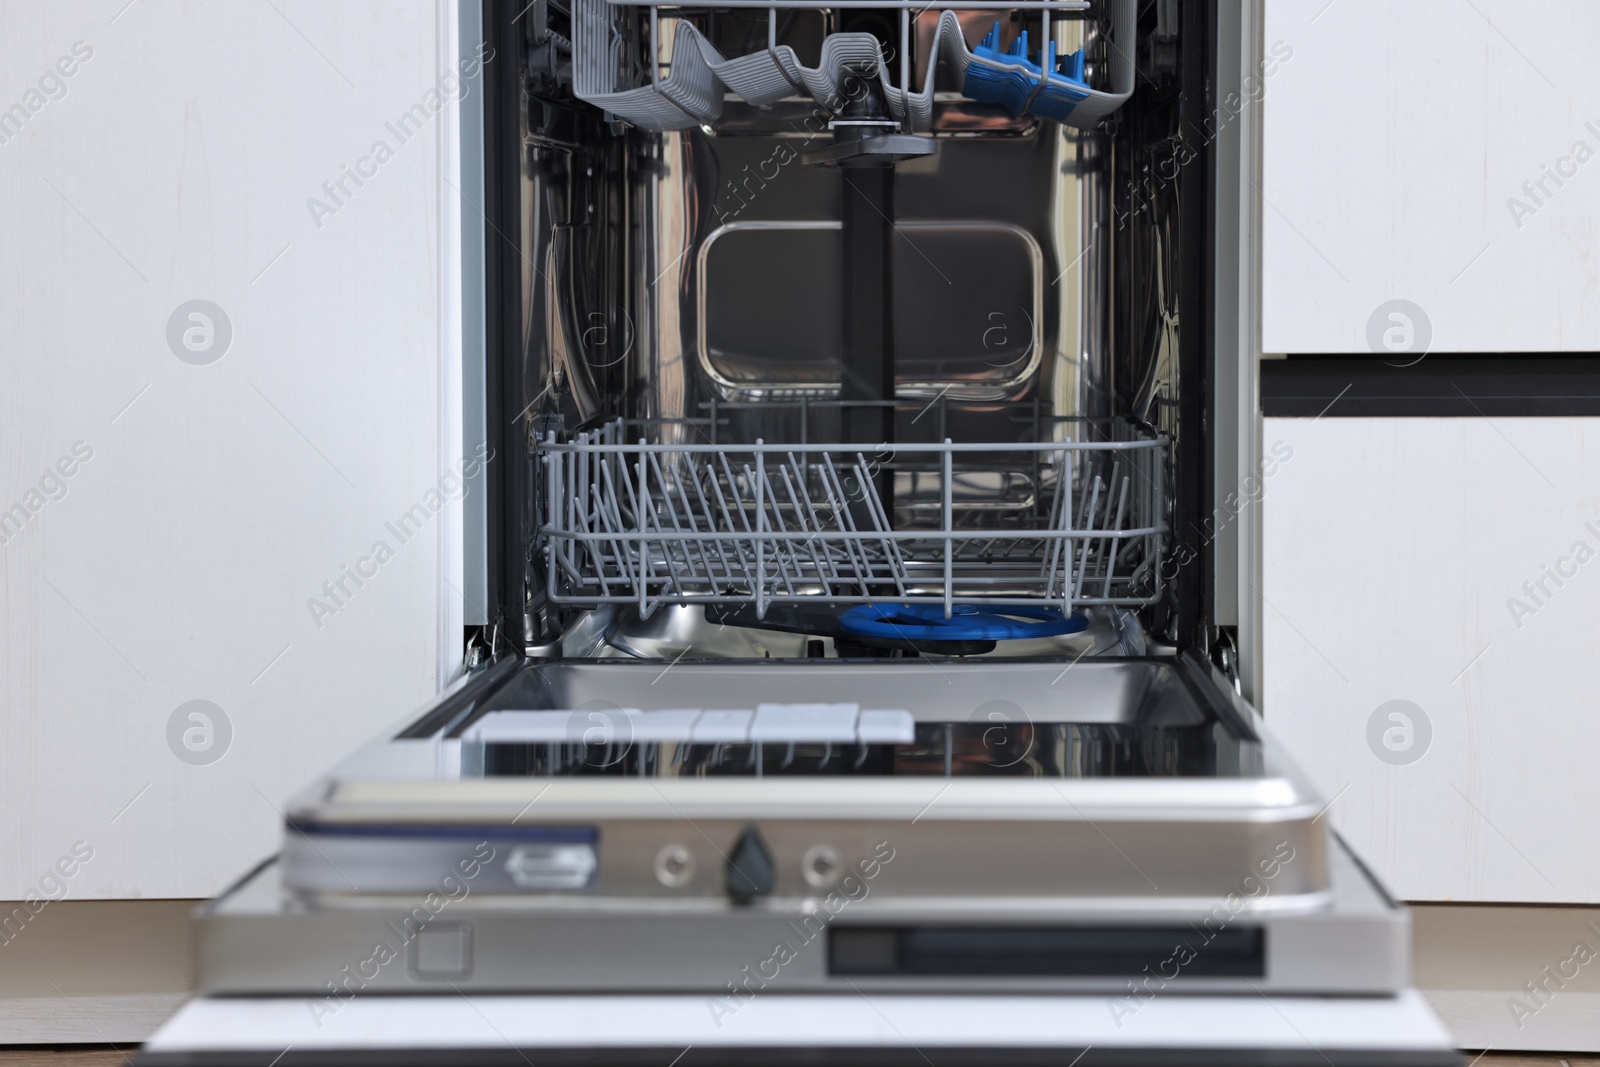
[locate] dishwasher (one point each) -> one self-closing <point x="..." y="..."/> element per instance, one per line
<point x="854" y="692"/>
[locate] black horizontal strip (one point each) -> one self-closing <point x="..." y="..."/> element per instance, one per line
<point x="1061" y="952"/>
<point x="1455" y="386"/>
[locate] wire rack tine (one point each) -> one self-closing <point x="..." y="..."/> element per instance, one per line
<point x="1111" y="555"/>
<point x="1061" y="509"/>
<point x="608" y="509"/>
<point x="781" y="548"/>
<point x="676" y="551"/>
<point x="689" y="546"/>
<point x="880" y="519"/>
<point x="742" y="545"/>
<point x="840" y="503"/>
<point x="810" y="544"/>
<point x="761" y="544"/>
<point x="947" y="493"/>
<point x="688" y="472"/>
<point x="1085" y="543"/>
<point x="643" y="513"/>
<point x="822" y="541"/>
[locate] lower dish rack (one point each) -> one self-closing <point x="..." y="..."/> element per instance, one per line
<point x="1068" y="523"/>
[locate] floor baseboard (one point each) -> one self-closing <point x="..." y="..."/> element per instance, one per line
<point x="1481" y="1019"/>
<point x="86" y="1018"/>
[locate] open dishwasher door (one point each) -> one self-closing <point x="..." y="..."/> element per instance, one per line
<point x="1128" y="872"/>
<point x="851" y="535"/>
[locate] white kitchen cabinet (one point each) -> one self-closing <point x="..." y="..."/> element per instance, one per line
<point x="1453" y="564"/>
<point x="205" y="151"/>
<point x="1446" y="154"/>
<point x="1442" y="152"/>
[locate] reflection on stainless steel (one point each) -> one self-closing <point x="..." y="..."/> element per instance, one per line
<point x="925" y="324"/>
<point x="982" y="748"/>
<point x="1093" y="691"/>
<point x="681" y="630"/>
<point x="1042" y="337"/>
<point x="671" y="209"/>
<point x="674" y="935"/>
<point x="571" y="365"/>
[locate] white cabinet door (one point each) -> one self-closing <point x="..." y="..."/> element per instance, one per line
<point x="229" y="421"/>
<point x="1431" y="620"/>
<point x="1440" y="152"/>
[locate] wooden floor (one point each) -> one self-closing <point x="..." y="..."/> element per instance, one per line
<point x="71" y="1056"/>
<point x="102" y="1056"/>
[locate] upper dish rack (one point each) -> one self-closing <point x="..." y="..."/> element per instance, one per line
<point x="691" y="92"/>
<point x="1071" y="523"/>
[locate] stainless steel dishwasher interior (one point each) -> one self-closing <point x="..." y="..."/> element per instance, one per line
<point x="754" y="380"/>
